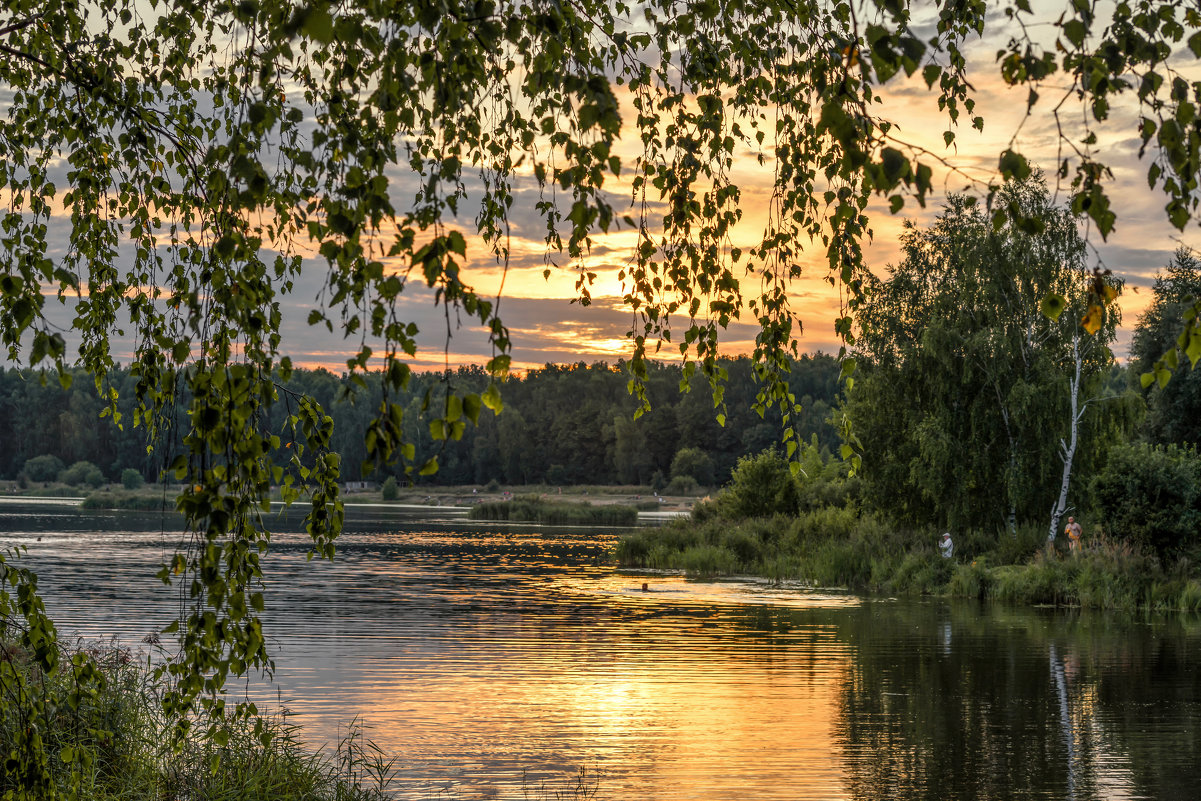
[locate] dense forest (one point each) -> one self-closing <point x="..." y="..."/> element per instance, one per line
<point x="562" y="424"/>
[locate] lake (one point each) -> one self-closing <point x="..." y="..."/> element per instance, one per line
<point x="493" y="661"/>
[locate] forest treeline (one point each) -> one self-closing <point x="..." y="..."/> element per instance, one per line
<point x="561" y="424"/>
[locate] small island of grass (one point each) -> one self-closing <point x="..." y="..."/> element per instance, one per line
<point x="536" y="509"/>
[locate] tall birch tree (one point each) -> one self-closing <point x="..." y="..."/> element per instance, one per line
<point x="969" y="369"/>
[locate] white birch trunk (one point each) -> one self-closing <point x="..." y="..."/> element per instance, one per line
<point x="1068" y="449"/>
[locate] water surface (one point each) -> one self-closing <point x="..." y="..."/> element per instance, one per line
<point x="490" y="658"/>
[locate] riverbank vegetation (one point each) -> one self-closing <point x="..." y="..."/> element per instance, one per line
<point x="978" y="408"/>
<point x="536" y="509"/>
<point x="100" y="734"/>
<point x="818" y="528"/>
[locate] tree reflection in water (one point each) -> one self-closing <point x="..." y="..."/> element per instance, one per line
<point x="955" y="702"/>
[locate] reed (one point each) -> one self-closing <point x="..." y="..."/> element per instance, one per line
<point x="149" y="500"/>
<point x="838" y="546"/>
<point x="110" y="744"/>
<point x="535" y="509"/>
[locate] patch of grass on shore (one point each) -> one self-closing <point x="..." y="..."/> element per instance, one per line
<point x="112" y="745"/>
<point x="148" y="500"/>
<point x="767" y="523"/>
<point x="842" y="547"/>
<point x="533" y="509"/>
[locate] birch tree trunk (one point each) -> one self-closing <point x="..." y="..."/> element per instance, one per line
<point x="1068" y="449"/>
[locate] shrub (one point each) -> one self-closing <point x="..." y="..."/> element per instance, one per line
<point x="1150" y="497"/>
<point x="692" y="463"/>
<point x="82" y="472"/>
<point x="43" y="468"/>
<point x="704" y="510"/>
<point x="971" y="580"/>
<point x="760" y="486"/>
<point x="708" y="560"/>
<point x="389" y="490"/>
<point x="492" y="486"/>
<point x="682" y="485"/>
<point x="131" y="479"/>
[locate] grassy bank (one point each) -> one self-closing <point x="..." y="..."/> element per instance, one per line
<point x="111" y="745"/>
<point x="148" y="500"/>
<point x="534" y="509"/>
<point x="844" y="548"/>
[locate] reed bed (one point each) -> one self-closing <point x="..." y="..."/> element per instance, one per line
<point x="535" y="509"/>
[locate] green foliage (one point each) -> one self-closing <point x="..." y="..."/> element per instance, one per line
<point x="144" y="501"/>
<point x="761" y="486"/>
<point x="131" y="479"/>
<point x="107" y="743"/>
<point x="175" y="174"/>
<point x="841" y="548"/>
<point x="82" y="472"/>
<point x="964" y="395"/>
<point x="1161" y="346"/>
<point x="43" y="468"/>
<point x="1150" y="496"/>
<point x="536" y="509"/>
<point x="693" y="463"/>
<point x="390" y="491"/>
<point x="682" y="485"/>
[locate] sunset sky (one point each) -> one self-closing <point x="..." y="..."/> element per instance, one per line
<point x="547" y="327"/>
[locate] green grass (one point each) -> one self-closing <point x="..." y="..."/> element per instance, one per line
<point x="841" y="547"/>
<point x="533" y="509"/>
<point x="147" y="500"/>
<point x="110" y="744"/>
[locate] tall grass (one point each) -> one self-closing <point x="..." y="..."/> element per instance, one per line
<point x="535" y="509"/>
<point x="838" y="546"/>
<point x="151" y="500"/>
<point x="110" y="745"/>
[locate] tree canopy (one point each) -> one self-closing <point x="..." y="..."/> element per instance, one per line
<point x="1174" y="407"/>
<point x="966" y="391"/>
<point x="175" y="166"/>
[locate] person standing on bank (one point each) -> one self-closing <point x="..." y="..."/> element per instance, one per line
<point x="1073" y="530"/>
<point x="945" y="546"/>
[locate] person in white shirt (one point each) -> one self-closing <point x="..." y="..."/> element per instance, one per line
<point x="945" y="545"/>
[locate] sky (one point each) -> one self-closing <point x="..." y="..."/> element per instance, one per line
<point x="546" y="326"/>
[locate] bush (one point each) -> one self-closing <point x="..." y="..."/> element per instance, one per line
<point x="760" y="486"/>
<point x="131" y="479"/>
<point x="692" y="463"/>
<point x="82" y="472"/>
<point x="1150" y="496"/>
<point x="682" y="485"/>
<point x="390" y="491"/>
<point x="43" y="468"/>
<point x="492" y="486"/>
<point x="109" y="732"/>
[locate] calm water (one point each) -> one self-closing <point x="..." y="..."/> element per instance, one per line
<point x="477" y="655"/>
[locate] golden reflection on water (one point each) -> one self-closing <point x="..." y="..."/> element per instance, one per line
<point x="477" y="657"/>
<point x="700" y="707"/>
